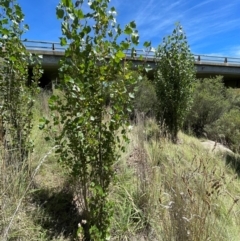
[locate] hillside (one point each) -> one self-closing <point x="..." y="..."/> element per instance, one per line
<point x="162" y="191"/>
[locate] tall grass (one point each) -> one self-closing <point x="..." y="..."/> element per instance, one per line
<point x="17" y="182"/>
<point x="162" y="191"/>
<point x="174" y="192"/>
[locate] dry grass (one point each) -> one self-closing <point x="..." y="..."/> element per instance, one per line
<point x="175" y="192"/>
<point x="162" y="191"/>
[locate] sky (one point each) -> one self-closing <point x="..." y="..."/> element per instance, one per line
<point x="212" y="27"/>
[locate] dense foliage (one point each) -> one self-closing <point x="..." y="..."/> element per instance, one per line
<point x="215" y="112"/>
<point x="155" y="193"/>
<point x="209" y="103"/>
<point x="16" y="100"/>
<point x="174" y="80"/>
<point x="145" y="100"/>
<point x="89" y="143"/>
<point x="226" y="130"/>
<point x="17" y="93"/>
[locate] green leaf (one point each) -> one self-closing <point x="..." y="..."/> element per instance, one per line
<point x="4" y="21"/>
<point x="113" y="9"/>
<point x="135" y="39"/>
<point x="67" y="3"/>
<point x="63" y="41"/>
<point x="87" y="29"/>
<point x="13" y="58"/>
<point x="6" y="4"/>
<point x="125" y="45"/>
<point x="128" y="30"/>
<point x="120" y="55"/>
<point x="60" y="13"/>
<point x="132" y="24"/>
<point x="5" y="31"/>
<point x="79" y="13"/>
<point x="53" y="99"/>
<point x="147" y="44"/>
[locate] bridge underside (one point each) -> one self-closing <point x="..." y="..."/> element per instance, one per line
<point x="51" y="75"/>
<point x="230" y="72"/>
<point x="229" y="80"/>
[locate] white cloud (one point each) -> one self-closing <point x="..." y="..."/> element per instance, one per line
<point x="206" y="23"/>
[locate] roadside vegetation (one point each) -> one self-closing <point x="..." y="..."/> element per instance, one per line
<point x="110" y="154"/>
<point x="161" y="191"/>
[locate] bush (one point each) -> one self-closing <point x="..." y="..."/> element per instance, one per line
<point x="226" y="129"/>
<point x="209" y="104"/>
<point x="233" y="95"/>
<point x="145" y="98"/>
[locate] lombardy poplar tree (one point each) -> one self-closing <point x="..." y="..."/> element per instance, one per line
<point x="17" y="90"/>
<point x="92" y="134"/>
<point x="174" y="80"/>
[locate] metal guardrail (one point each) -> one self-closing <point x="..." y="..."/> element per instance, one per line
<point x="216" y="59"/>
<point x="43" y="45"/>
<point x="199" y="58"/>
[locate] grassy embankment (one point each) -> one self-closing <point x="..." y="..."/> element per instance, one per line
<point x="161" y="192"/>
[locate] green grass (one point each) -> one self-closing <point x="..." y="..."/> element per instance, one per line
<point x="162" y="191"/>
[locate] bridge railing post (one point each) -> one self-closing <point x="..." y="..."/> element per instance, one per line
<point x="225" y="60"/>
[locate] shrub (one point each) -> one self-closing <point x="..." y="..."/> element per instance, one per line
<point x="233" y="95"/>
<point x="145" y="97"/>
<point x="226" y="129"/>
<point x="209" y="104"/>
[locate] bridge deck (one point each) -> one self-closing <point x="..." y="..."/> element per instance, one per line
<point x="206" y="65"/>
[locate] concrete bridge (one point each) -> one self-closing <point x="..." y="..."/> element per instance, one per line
<point x="206" y="66"/>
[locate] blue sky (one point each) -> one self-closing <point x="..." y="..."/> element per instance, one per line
<point x="212" y="26"/>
